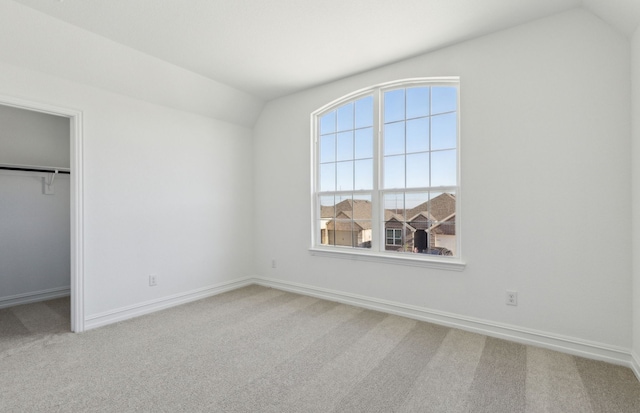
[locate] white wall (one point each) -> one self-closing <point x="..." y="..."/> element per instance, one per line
<point x="38" y="42"/>
<point x="34" y="237"/>
<point x="545" y="175"/>
<point x="635" y="111"/>
<point x="167" y="190"/>
<point x="33" y="138"/>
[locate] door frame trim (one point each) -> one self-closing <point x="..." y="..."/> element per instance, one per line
<point x="76" y="202"/>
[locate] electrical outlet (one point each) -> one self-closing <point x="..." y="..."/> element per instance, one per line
<point x="153" y="280"/>
<point x="273" y="263"/>
<point x="512" y="298"/>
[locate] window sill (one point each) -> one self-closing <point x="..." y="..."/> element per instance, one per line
<point x="441" y="263"/>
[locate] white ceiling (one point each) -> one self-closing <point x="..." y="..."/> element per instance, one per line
<point x="270" y="48"/>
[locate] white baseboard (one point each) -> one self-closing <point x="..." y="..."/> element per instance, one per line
<point x="635" y="364"/>
<point x="124" y="313"/>
<point x="34" y="297"/>
<point x="570" y="345"/>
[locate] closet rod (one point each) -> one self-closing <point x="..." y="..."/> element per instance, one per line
<point x="27" y="169"/>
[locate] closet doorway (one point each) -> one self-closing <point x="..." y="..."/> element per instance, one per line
<point x="41" y="178"/>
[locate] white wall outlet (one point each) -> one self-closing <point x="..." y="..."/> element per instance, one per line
<point x="512" y="298"/>
<point x="153" y="280"/>
<point x="273" y="263"/>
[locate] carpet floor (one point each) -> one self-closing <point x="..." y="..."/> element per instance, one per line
<point x="263" y="350"/>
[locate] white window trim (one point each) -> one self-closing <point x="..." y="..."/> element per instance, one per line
<point x="360" y="254"/>
<point x="412" y="260"/>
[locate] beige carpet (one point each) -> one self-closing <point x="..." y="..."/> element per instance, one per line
<point x="23" y="324"/>
<point x="263" y="350"/>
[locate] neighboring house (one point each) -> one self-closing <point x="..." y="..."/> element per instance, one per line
<point x="437" y="218"/>
<point x="428" y="227"/>
<point x="347" y="223"/>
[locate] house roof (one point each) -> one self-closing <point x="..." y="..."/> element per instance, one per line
<point x="436" y="209"/>
<point x="343" y="222"/>
<point x="356" y="208"/>
<point x="446" y="227"/>
<point x="441" y="208"/>
<point x="390" y="215"/>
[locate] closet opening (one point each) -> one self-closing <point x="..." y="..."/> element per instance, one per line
<point x="41" y="232"/>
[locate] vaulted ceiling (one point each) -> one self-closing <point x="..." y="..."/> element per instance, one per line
<point x="270" y="48"/>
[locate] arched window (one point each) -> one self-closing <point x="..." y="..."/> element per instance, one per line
<point x="386" y="172"/>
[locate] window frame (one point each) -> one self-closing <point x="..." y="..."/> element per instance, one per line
<point x="377" y="252"/>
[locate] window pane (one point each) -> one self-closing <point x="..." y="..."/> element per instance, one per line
<point x="418" y="170"/>
<point x="327" y="214"/>
<point x="444" y="238"/>
<point x="394" y="138"/>
<point x="364" y="143"/>
<point x="327" y="207"/>
<point x="328" y="148"/>
<point x="344" y="233"/>
<point x="362" y="221"/>
<point x="418" y="135"/>
<point x="345" y="117"/>
<point x="443" y="234"/>
<point x="394" y="206"/>
<point x="417" y="102"/>
<point x="328" y="177"/>
<point x="345" y="146"/>
<point x="417" y="206"/>
<point x="364" y="174"/>
<point x="344" y="206"/>
<point x="326" y="235"/>
<point x="394" y="105"/>
<point x="344" y="176"/>
<point x="328" y="123"/>
<point x="394" y="171"/>
<point x="443" y="99"/>
<point x="443" y="168"/>
<point x="363" y="236"/>
<point x="364" y="112"/>
<point x="362" y="207"/>
<point x="443" y="131"/>
<point x="442" y="205"/>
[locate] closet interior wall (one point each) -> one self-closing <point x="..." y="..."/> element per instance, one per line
<point x="34" y="225"/>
